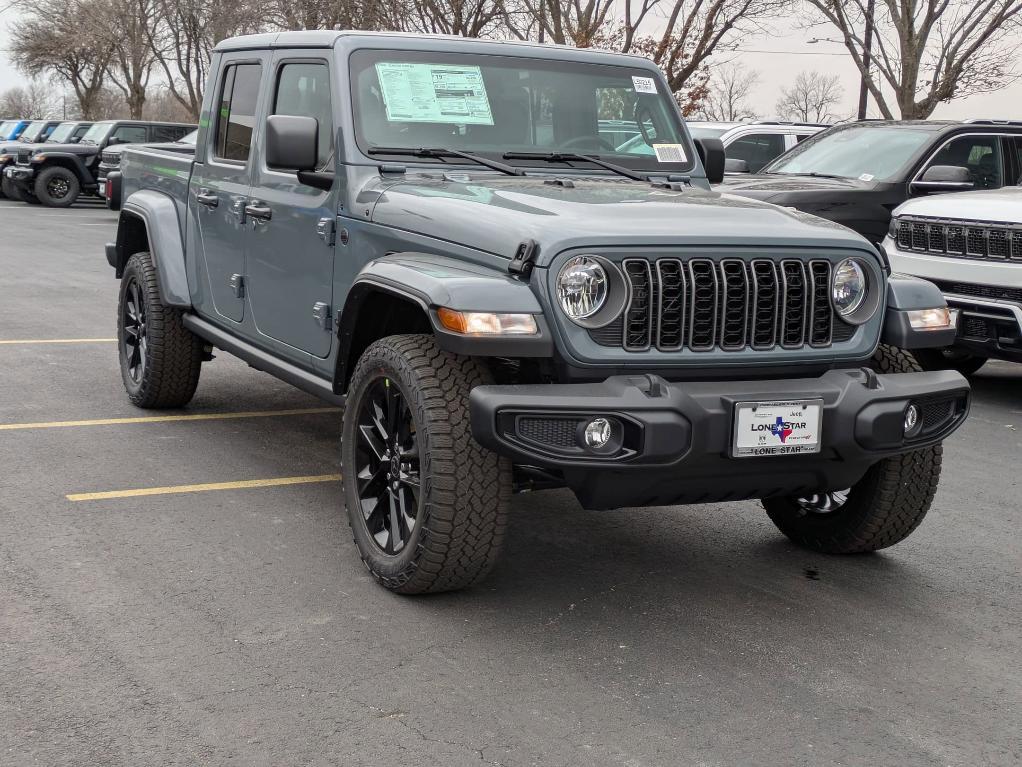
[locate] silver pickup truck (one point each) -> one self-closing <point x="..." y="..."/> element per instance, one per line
<point x="433" y="233"/>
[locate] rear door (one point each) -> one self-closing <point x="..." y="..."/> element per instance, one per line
<point x="291" y="251"/>
<point x="222" y="178"/>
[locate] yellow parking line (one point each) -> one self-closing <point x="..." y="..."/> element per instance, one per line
<point x="59" y="341"/>
<point x="243" y="485"/>
<point x="167" y="418"/>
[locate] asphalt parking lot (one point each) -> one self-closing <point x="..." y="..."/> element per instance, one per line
<point x="222" y="616"/>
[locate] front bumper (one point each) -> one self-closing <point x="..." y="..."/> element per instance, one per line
<point x="19" y="174"/>
<point x="676" y="437"/>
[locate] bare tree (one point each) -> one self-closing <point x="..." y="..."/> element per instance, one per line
<point x="34" y="101"/>
<point x="729" y="90"/>
<point x="56" y="38"/>
<point x="929" y="51"/>
<point x="811" y="98"/>
<point x="467" y="18"/>
<point x="582" y="23"/>
<point x="129" y="26"/>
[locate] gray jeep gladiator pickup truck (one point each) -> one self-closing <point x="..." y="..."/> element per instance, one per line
<point x="432" y="232"/>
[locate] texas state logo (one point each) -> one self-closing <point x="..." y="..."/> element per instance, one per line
<point x="781" y="429"/>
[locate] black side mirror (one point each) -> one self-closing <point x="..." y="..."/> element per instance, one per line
<point x="114" y="141"/>
<point x="292" y="143"/>
<point x="734" y="165"/>
<point x="944" y="178"/>
<point x="711" y="153"/>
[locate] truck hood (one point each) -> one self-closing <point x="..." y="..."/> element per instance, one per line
<point x="495" y="214"/>
<point x="783" y="189"/>
<point x="13" y="147"/>
<point x="1001" y="205"/>
<point x="79" y="149"/>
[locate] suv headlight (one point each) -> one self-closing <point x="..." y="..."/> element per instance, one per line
<point x="848" y="287"/>
<point x="582" y="287"/>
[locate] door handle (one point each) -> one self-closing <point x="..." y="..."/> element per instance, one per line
<point x="258" y="211"/>
<point x="207" y="198"/>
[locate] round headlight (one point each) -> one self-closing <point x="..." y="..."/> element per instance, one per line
<point x="582" y="287"/>
<point x="848" y="287"/>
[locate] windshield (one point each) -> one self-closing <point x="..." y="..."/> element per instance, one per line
<point x="865" y="153"/>
<point x="495" y="105"/>
<point x="33" y="132"/>
<point x="97" y="133"/>
<point x="61" y="133"/>
<point x="701" y="132"/>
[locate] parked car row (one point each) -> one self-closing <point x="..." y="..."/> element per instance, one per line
<point x="54" y="163"/>
<point x="888" y="181"/>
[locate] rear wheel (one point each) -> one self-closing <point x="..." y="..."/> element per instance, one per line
<point x="881" y="509"/>
<point x="426" y="503"/>
<point x="949" y="359"/>
<point x="57" y="187"/>
<point x="160" y="358"/>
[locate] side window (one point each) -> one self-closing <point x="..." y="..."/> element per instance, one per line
<point x="80" y="131"/>
<point x="980" y="155"/>
<point x="168" y="132"/>
<point x="128" y="134"/>
<point x="757" y="149"/>
<point x="1016" y="144"/>
<point x="303" y="90"/>
<point x="235" y="120"/>
<point x="800" y="137"/>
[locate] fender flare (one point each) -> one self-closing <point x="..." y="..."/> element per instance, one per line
<point x="64" y="159"/>
<point x="158" y="214"/>
<point x="430" y="281"/>
<point x="904" y="294"/>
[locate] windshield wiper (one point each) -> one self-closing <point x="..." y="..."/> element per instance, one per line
<point x="813" y="174"/>
<point x="621" y="170"/>
<point x="440" y="152"/>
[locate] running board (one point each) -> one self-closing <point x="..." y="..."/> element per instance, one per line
<point x="260" y="360"/>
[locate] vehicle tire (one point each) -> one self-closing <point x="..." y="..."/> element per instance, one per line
<point x="407" y="448"/>
<point x="881" y="509"/>
<point x="57" y="187"/>
<point x="10" y="191"/>
<point x="160" y="358"/>
<point x="949" y="359"/>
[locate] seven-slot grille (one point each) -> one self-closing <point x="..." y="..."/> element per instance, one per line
<point x="700" y="304"/>
<point x="960" y="239"/>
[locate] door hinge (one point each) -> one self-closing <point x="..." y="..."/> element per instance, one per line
<point x="321" y="313"/>
<point x="238" y="285"/>
<point x="524" y="258"/>
<point x="325" y="229"/>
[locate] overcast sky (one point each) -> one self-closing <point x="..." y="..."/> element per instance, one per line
<point x="778" y="58"/>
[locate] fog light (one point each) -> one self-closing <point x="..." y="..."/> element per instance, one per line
<point x="597" y="433"/>
<point x="912" y="422"/>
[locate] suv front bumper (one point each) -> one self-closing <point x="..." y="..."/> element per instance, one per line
<point x="19" y="174"/>
<point x="676" y="443"/>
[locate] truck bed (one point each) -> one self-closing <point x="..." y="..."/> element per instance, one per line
<point x="164" y="171"/>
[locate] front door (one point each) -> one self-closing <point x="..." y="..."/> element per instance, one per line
<point x="221" y="181"/>
<point x="291" y="251"/>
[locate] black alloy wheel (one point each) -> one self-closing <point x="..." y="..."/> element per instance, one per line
<point x="57" y="188"/>
<point x="387" y="466"/>
<point x="135" y="339"/>
<point x="823" y="503"/>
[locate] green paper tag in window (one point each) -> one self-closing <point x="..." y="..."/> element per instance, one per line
<point x="434" y="93"/>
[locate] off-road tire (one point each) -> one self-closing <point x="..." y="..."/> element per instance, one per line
<point x="11" y="191"/>
<point x="173" y="355"/>
<point x="42" y="193"/>
<point x="936" y="359"/>
<point x="883" y="507"/>
<point x="465" y="489"/>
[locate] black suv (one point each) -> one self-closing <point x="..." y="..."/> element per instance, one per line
<point x="68" y="132"/>
<point x="57" y="175"/>
<point x="37" y="132"/>
<point x="857" y="173"/>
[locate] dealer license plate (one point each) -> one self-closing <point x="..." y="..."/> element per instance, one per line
<point x="776" y="428"/>
<point x="102" y="188"/>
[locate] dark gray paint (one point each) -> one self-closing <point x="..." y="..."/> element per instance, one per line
<point x="160" y="216"/>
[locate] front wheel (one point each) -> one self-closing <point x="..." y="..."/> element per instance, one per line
<point x="426" y="503"/>
<point x="881" y="509"/>
<point x="949" y="359"/>
<point x="57" y="187"/>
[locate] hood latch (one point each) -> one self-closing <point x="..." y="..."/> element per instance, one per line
<point x="524" y="258"/>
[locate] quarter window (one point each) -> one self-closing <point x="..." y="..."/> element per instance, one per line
<point x="303" y="90"/>
<point x="980" y="155"/>
<point x="128" y="134"/>
<point x="236" y="111"/>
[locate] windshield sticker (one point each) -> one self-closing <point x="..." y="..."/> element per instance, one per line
<point x="434" y="93"/>
<point x="670" y="153"/>
<point x="866" y="177"/>
<point x="643" y="84"/>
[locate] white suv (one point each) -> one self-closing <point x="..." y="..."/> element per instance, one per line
<point x="748" y="146"/>
<point x="970" y="245"/>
